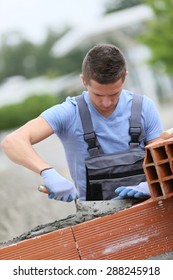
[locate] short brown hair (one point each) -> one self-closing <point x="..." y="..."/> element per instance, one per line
<point x="105" y="64"/>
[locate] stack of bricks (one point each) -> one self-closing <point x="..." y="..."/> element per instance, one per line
<point x="158" y="167"/>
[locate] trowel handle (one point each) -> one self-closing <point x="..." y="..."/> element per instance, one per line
<point x="167" y="134"/>
<point x="43" y="189"/>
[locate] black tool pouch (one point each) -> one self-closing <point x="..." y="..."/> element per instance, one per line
<point x="106" y="172"/>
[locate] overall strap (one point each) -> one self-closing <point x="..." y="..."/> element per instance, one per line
<point x="136" y="130"/>
<point x="89" y="134"/>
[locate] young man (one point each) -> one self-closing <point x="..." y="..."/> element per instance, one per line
<point x="103" y="74"/>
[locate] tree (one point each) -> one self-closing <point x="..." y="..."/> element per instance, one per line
<point x="158" y="35"/>
<point x="25" y="58"/>
<point x="31" y="60"/>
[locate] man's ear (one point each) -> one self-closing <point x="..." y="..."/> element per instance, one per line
<point x="83" y="80"/>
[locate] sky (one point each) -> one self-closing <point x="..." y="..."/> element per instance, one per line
<point x="33" y="17"/>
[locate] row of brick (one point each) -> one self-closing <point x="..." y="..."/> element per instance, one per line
<point x="139" y="232"/>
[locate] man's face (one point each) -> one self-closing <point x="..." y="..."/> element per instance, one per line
<point x="104" y="97"/>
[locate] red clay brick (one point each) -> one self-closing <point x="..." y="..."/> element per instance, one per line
<point x="139" y="232"/>
<point x="158" y="167"/>
<point x="57" y="245"/>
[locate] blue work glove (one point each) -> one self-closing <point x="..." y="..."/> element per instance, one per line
<point x="59" y="187"/>
<point x="140" y="191"/>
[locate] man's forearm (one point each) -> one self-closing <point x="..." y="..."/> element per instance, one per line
<point x="21" y="152"/>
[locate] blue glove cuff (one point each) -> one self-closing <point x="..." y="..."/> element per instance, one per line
<point x="45" y="169"/>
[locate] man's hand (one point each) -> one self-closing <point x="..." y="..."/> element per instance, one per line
<point x="59" y="187"/>
<point x="140" y="191"/>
